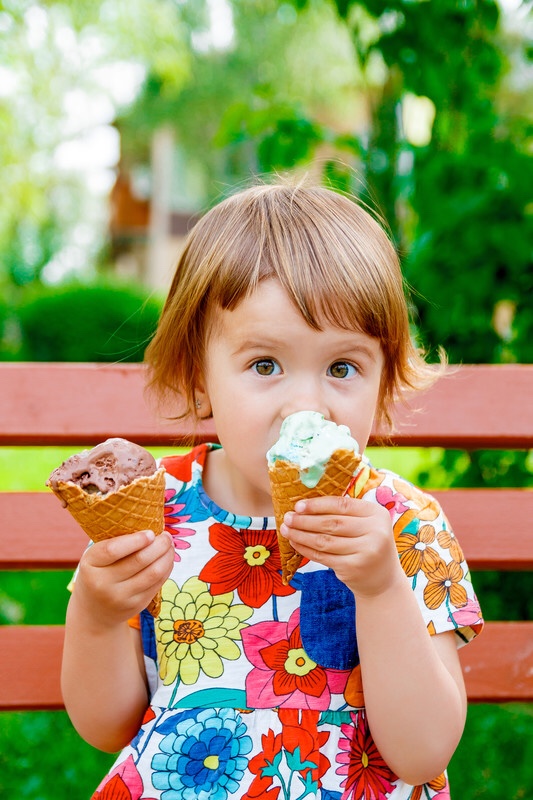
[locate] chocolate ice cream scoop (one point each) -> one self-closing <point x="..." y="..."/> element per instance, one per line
<point x="108" y="466"/>
<point x="112" y="490"/>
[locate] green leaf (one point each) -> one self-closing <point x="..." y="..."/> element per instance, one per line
<point x="214" y="698"/>
<point x="295" y="763"/>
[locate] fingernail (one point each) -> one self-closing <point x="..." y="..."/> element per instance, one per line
<point x="283" y="529"/>
<point x="300" y="506"/>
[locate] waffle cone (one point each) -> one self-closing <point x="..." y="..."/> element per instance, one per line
<point x="287" y="489"/>
<point x="135" y="507"/>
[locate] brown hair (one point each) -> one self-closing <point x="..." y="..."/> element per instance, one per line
<point x="333" y="259"/>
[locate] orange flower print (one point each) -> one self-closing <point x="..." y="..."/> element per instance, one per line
<point x="353" y="693"/>
<point x="444" y="585"/>
<point x="367" y="776"/>
<point x="437" y="784"/>
<point x="447" y="540"/>
<point x="415" y="553"/>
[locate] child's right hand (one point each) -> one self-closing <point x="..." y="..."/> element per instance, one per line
<point x="118" y="577"/>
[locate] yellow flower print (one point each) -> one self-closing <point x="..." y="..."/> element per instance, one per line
<point x="196" y="630"/>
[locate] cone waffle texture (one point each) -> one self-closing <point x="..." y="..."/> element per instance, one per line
<point x="138" y="506"/>
<point x="287" y="489"/>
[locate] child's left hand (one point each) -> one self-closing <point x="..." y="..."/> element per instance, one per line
<point x="354" y="537"/>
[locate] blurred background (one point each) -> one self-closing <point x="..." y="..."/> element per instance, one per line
<point x="122" y="122"/>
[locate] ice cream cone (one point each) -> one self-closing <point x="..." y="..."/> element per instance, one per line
<point x="137" y="506"/>
<point x="287" y="489"/>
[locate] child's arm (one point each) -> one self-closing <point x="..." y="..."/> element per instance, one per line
<point x="103" y="679"/>
<point x="412" y="682"/>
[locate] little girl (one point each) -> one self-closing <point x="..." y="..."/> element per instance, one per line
<point x="346" y="683"/>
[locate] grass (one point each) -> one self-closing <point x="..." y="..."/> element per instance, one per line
<point x="43" y="758"/>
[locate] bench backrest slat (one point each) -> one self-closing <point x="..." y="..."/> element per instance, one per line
<point x="482" y="516"/>
<point x="475" y="407"/>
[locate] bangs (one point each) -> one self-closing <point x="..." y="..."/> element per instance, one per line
<point x="337" y="265"/>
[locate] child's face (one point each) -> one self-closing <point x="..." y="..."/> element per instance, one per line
<point x="264" y="362"/>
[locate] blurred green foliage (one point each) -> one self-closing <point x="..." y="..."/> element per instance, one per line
<point x="325" y="85"/>
<point x="320" y="85"/>
<point x="75" y="322"/>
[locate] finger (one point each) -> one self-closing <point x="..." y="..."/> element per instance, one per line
<point x="137" y="561"/>
<point x="109" y="551"/>
<point x="314" y="542"/>
<point x="331" y="524"/>
<point x="344" y="506"/>
<point x="320" y="551"/>
<point x="151" y="576"/>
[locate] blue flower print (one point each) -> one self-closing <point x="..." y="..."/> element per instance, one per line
<point x="202" y="755"/>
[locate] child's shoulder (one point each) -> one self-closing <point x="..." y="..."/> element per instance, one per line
<point x="399" y="495"/>
<point x="182" y="465"/>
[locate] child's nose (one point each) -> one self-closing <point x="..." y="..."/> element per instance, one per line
<point x="308" y="398"/>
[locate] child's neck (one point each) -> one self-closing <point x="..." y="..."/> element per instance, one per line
<point x="230" y="491"/>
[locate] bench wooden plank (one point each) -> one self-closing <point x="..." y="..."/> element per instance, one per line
<point x="493" y="526"/>
<point x="497" y="666"/>
<point x="81" y="404"/>
<point x="30" y="667"/>
<point x="477" y="406"/>
<point x="37" y="533"/>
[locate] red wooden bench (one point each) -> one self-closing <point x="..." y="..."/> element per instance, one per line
<point x="82" y="404"/>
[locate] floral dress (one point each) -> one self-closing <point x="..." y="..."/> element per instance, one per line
<point x="255" y="686"/>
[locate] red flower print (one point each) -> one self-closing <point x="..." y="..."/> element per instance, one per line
<point x="249" y="562"/>
<point x="174" y="520"/>
<point x="299" y="745"/>
<point x="300" y="730"/>
<point x="293" y="669"/>
<point x="122" y="783"/>
<point x="283" y="673"/>
<point x="261" y="786"/>
<point x="114" y="789"/>
<point x="367" y="776"/>
<point x="180" y="467"/>
<point x="149" y="715"/>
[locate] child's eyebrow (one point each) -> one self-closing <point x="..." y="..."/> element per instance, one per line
<point x="259" y="343"/>
<point x="351" y="346"/>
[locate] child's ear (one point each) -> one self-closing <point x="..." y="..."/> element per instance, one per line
<point x="202" y="403"/>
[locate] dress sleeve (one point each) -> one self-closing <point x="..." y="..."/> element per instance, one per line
<point x="430" y="555"/>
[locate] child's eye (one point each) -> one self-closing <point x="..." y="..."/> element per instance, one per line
<point x="342" y="369"/>
<point x="266" y="366"/>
